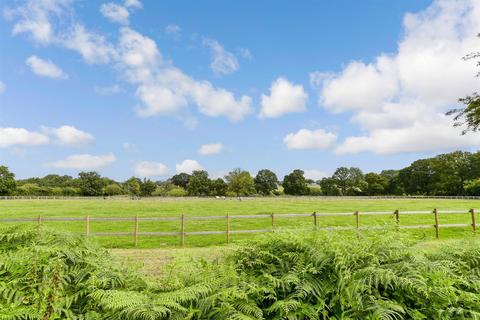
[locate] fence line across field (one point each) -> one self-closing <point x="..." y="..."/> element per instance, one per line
<point x="272" y="216"/>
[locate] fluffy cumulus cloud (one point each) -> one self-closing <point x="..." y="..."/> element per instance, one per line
<point x="188" y="166"/>
<point x="150" y="169"/>
<point x="223" y="61"/>
<point x="84" y="161"/>
<point x="133" y="4"/>
<point x="20" y="137"/>
<point x="399" y="100"/>
<point x="285" y="97"/>
<point x="45" y="68"/>
<point x="310" y="139"/>
<point x="211" y="148"/>
<point x="162" y="89"/>
<point x="38" y="17"/>
<point x="3" y="87"/>
<point x="115" y="12"/>
<point x="70" y="136"/>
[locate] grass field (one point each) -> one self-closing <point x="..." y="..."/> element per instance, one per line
<point x="204" y="207"/>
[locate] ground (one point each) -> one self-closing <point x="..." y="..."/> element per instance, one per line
<point x="194" y="207"/>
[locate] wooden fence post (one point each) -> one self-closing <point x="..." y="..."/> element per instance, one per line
<point x="228" y="227"/>
<point x="273" y="221"/>
<point x="87" y="225"/>
<point x="315" y="219"/>
<point x="435" y="214"/>
<point x="474" y="226"/>
<point x="135" y="231"/>
<point x="397" y="218"/>
<point x="39" y="220"/>
<point x="183" y="230"/>
<point x="357" y="219"/>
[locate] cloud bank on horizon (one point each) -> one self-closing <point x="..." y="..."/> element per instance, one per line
<point x="397" y="101"/>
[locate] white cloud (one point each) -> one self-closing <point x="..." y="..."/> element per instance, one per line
<point x="115" y="12"/>
<point x="20" y="137"/>
<point x="70" y="136"/>
<point x="3" y="87"/>
<point x="150" y="169"/>
<point x="108" y="90"/>
<point x="399" y="100"/>
<point x="211" y="148"/>
<point x="188" y="166"/>
<point x="315" y="174"/>
<point x="223" y="61"/>
<point x="173" y="29"/>
<point x="285" y="97"/>
<point x="84" y="161"/>
<point x="129" y="147"/>
<point x="93" y="48"/>
<point x="162" y="89"/>
<point x="35" y="17"/>
<point x="45" y="68"/>
<point x="245" y="53"/>
<point x="135" y="4"/>
<point x="308" y="139"/>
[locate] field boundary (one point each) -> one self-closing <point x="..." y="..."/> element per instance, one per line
<point x="316" y="218"/>
<point x="391" y="197"/>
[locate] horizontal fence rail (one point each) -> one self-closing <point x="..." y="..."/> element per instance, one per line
<point x="317" y="217"/>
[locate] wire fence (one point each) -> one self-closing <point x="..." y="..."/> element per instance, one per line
<point x="228" y="231"/>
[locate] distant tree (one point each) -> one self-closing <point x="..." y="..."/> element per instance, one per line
<point x="349" y="180"/>
<point x="329" y="187"/>
<point x="132" y="186"/>
<point x="199" y="184"/>
<point x="472" y="187"/>
<point x="219" y="187"/>
<point x="113" y="189"/>
<point x="90" y="183"/>
<point x="295" y="183"/>
<point x="376" y="184"/>
<point x="7" y="181"/>
<point x="181" y="180"/>
<point x="147" y="187"/>
<point x="240" y="182"/>
<point x="266" y="182"/>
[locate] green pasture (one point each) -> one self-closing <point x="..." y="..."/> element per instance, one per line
<point x="161" y="207"/>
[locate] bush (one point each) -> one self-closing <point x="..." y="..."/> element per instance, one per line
<point x="177" y="192"/>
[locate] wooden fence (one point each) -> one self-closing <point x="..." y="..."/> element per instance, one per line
<point x="316" y="223"/>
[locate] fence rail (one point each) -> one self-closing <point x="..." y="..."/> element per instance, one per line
<point x="436" y="226"/>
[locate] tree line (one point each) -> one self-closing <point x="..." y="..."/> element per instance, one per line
<point x="451" y="174"/>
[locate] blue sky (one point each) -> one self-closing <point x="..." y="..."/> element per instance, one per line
<point x="138" y="87"/>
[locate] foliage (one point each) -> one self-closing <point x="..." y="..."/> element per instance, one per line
<point x="295" y="183"/>
<point x="44" y="275"/>
<point x="181" y="180"/>
<point x="113" y="189"/>
<point x="199" y="183"/>
<point x="90" y="183"/>
<point x="240" y="182"/>
<point x="132" y="186"/>
<point x="349" y="180"/>
<point x="7" y="181"/>
<point x="147" y="187"/>
<point x="266" y="182"/>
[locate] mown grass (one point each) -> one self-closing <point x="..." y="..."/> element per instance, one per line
<point x="208" y="207"/>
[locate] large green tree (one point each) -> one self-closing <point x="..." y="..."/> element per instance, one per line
<point x="240" y="182"/>
<point x="199" y="183"/>
<point x="266" y="182"/>
<point x="147" y="187"/>
<point x="91" y="183"/>
<point x="181" y="180"/>
<point x="7" y="181"/>
<point x="350" y="180"/>
<point x="295" y="183"/>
